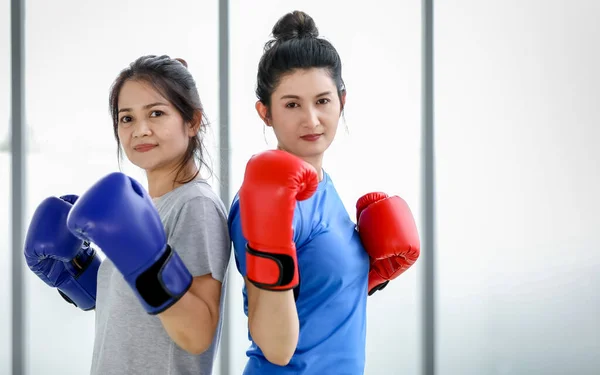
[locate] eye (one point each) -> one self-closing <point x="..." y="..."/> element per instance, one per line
<point x="156" y="113"/>
<point x="292" y="105"/>
<point x="125" y="119"/>
<point x="323" y="101"/>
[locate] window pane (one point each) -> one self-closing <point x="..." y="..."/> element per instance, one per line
<point x="75" y="50"/>
<point x="380" y="151"/>
<point x="517" y="134"/>
<point x="5" y="187"/>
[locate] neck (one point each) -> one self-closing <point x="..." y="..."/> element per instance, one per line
<point x="162" y="181"/>
<point x="317" y="162"/>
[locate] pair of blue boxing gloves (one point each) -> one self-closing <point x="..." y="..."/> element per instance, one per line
<point x="118" y="216"/>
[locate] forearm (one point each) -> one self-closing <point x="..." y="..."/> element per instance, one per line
<point x="190" y="322"/>
<point x="274" y="325"/>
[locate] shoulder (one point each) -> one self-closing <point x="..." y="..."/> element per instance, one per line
<point x="198" y="217"/>
<point x="196" y="192"/>
<point x="194" y="201"/>
<point x="203" y="192"/>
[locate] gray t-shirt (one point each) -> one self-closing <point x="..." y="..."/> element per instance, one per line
<point x="129" y="340"/>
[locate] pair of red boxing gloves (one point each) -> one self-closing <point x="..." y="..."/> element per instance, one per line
<point x="273" y="182"/>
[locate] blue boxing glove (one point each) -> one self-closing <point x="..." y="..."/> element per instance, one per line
<point x="60" y="259"/>
<point x="117" y="214"/>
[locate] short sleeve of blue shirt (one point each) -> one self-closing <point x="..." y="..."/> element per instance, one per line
<point x="331" y="298"/>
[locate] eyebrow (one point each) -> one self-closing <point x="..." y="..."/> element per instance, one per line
<point x="145" y="107"/>
<point x="297" y="97"/>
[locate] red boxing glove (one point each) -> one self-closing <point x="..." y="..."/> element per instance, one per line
<point x="273" y="182"/>
<point x="389" y="234"/>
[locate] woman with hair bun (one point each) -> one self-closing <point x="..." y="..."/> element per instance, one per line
<point x="308" y="268"/>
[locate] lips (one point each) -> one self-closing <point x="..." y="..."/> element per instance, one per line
<point x="311" y="137"/>
<point x="144" y="147"/>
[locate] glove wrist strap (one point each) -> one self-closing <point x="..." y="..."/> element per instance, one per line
<point x="163" y="283"/>
<point x="271" y="271"/>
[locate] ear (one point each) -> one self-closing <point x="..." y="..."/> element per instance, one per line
<point x="195" y="124"/>
<point x="263" y="111"/>
<point x="343" y="100"/>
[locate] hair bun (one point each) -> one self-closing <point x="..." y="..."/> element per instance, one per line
<point x="296" y="24"/>
<point x="182" y="61"/>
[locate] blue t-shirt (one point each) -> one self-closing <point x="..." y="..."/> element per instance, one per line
<point x="331" y="299"/>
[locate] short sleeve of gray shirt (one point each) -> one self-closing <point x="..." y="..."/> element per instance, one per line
<point x="130" y="341"/>
<point x="196" y="226"/>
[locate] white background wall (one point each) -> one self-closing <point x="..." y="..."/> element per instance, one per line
<point x="517" y="152"/>
<point x="516" y="116"/>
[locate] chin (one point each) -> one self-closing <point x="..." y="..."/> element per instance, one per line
<point x="310" y="154"/>
<point x="312" y="151"/>
<point x="146" y="165"/>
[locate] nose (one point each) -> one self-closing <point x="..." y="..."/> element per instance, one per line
<point x="141" y="129"/>
<point x="311" y="120"/>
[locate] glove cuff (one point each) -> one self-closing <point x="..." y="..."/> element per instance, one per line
<point x="163" y="283"/>
<point x="80" y="288"/>
<point x="376" y="282"/>
<point x="272" y="271"/>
